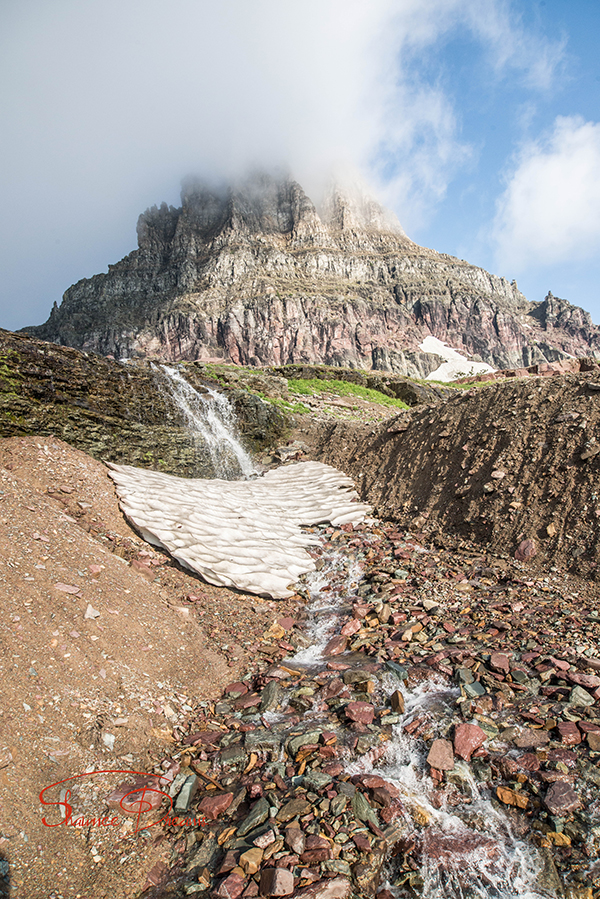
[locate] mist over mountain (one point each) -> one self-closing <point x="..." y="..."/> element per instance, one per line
<point x="252" y="272"/>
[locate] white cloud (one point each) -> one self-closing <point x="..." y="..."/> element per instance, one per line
<point x="107" y="104"/>
<point x="550" y="211"/>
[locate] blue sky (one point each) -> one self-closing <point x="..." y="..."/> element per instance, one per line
<point x="477" y="121"/>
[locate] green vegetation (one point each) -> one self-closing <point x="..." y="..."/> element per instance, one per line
<point x="284" y="405"/>
<point x="312" y="386"/>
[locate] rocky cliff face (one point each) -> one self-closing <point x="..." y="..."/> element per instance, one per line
<point x="253" y="274"/>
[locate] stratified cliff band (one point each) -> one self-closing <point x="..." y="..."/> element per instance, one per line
<point x="253" y="274"/>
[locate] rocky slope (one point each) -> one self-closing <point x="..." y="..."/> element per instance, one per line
<point x="513" y="466"/>
<point x="253" y="274"/>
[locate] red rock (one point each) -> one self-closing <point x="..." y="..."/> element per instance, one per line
<point x="351" y="627"/>
<point x="360" y="610"/>
<point x="286" y="623"/>
<point x="362" y="842"/>
<point x="570" y="735"/>
<point x="336" y="646"/>
<point x="531" y="739"/>
<point x="528" y="762"/>
<point x="128" y="795"/>
<point x="385" y="795"/>
<point x="238" y="687"/>
<point x="334" y="888"/>
<point x="246" y="702"/>
<point x="294" y="839"/>
<point x="527" y="549"/>
<point x="231" y="887"/>
<point x="156" y="876"/>
<point x="370" y="781"/>
<point x="587" y="727"/>
<point x="213" y="806"/>
<point x="584" y="680"/>
<point x="499" y="662"/>
<point x="559" y="663"/>
<point x="334" y="769"/>
<point x="441" y="755"/>
<point x="561" y="798"/>
<point x="362" y="712"/>
<point x="276" y="882"/>
<point x="143" y="569"/>
<point x="468" y="738"/>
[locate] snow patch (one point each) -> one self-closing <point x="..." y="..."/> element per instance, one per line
<point x="455" y="366"/>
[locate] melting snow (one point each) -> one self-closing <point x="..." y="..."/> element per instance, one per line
<point x="244" y="534"/>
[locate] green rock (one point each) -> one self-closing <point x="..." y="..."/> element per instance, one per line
<point x="580" y="697"/>
<point x="258" y="815"/>
<point x="363" y="810"/>
<point x="295" y="743"/>
<point x="400" y="672"/>
<point x="317" y="780"/>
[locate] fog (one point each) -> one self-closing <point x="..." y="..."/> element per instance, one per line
<point x="107" y="105"/>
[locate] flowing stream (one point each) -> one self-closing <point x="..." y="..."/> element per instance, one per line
<point x="211" y="420"/>
<point x="467" y="847"/>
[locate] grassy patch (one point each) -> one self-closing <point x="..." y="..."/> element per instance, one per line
<point x="312" y="386"/>
<point x="284" y="405"/>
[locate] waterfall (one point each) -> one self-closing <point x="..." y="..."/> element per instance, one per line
<point x="211" y="420"/>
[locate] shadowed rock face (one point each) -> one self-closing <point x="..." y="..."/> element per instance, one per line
<point x="253" y="274"/>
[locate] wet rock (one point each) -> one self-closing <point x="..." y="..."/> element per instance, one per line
<point x="336" y="646"/>
<point x="512" y="797"/>
<point x="363" y="810"/>
<point x="397" y="702"/>
<point x="468" y="738"/>
<point x="270" y="697"/>
<point x="531" y="739"/>
<point x="441" y="755"/>
<point x="362" y="712"/>
<point x="295" y="743"/>
<point x="276" y="882"/>
<point x="213" y="806"/>
<point x="317" y="780"/>
<point x="561" y="798"/>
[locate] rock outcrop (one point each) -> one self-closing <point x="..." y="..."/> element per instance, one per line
<point x="254" y="274"/>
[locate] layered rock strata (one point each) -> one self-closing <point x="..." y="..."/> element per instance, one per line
<point x="254" y="274"/>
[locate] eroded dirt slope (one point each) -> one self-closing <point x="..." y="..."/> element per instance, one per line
<point x="501" y="464"/>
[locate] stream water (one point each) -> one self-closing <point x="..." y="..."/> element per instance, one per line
<point x="467" y="846"/>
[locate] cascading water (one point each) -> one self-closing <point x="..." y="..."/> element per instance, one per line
<point x="467" y="846"/>
<point x="211" y="420"/>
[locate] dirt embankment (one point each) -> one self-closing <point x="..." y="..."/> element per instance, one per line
<point x="106" y="647"/>
<point x="500" y="464"/>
